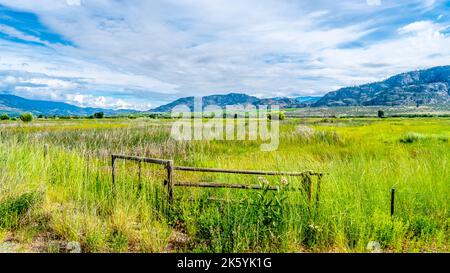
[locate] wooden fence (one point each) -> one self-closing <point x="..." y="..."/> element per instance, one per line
<point x="307" y="177"/>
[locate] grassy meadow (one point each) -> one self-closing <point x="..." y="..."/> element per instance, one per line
<point x="49" y="197"/>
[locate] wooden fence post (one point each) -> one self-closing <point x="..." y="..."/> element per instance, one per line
<point x="392" y="202"/>
<point x="319" y="180"/>
<point x="307" y="183"/>
<point x="113" y="173"/>
<point x="45" y="150"/>
<point x="169" y="167"/>
<point x="140" y="176"/>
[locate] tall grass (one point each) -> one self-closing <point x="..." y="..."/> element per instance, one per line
<point x="67" y="194"/>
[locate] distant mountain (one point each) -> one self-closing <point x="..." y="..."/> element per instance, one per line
<point x="308" y="99"/>
<point x="13" y="105"/>
<point x="430" y="86"/>
<point x="232" y="99"/>
<point x="282" y="102"/>
<point x="219" y="100"/>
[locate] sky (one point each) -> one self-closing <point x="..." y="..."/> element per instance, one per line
<point x="140" y="54"/>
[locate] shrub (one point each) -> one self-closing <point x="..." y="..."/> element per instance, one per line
<point x="99" y="115"/>
<point x="281" y="116"/>
<point x="4" y="117"/>
<point x="26" y="117"/>
<point x="411" y="138"/>
<point x="13" y="208"/>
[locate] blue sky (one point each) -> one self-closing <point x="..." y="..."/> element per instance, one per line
<point x="140" y="54"/>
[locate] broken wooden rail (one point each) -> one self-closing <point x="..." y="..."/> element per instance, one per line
<point x="170" y="183"/>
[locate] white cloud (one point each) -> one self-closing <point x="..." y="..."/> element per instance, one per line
<point x="126" y="52"/>
<point x="73" y="2"/>
<point x="373" y="2"/>
<point x="420" y="27"/>
<point x="14" y="33"/>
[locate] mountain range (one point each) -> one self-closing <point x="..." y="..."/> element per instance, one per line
<point x="430" y="86"/>
<point x="421" y="87"/>
<point x="13" y="105"/>
<point x="235" y="99"/>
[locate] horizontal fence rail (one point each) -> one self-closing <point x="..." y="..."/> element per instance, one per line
<point x="224" y="185"/>
<point x="214" y="170"/>
<point x="141" y="159"/>
<point x="170" y="183"/>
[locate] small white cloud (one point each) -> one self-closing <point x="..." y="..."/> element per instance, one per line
<point x="73" y="2"/>
<point x="373" y="2"/>
<point x="420" y="27"/>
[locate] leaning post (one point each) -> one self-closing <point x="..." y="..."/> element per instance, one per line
<point x="169" y="167"/>
<point x="319" y="180"/>
<point x="307" y="183"/>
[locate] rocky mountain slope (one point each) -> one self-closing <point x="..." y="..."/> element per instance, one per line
<point x="430" y="86"/>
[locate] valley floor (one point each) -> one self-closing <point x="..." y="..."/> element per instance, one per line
<point x="56" y="193"/>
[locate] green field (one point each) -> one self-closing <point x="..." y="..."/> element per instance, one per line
<point x="50" y="198"/>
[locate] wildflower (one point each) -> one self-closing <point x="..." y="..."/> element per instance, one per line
<point x="263" y="180"/>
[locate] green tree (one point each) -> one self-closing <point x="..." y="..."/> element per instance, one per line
<point x="26" y="117"/>
<point x="381" y="114"/>
<point x="281" y="116"/>
<point x="99" y="115"/>
<point x="4" y="117"/>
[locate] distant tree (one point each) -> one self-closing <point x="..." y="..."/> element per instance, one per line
<point x="4" y="117"/>
<point x="40" y="116"/>
<point x="381" y="114"/>
<point x="99" y="115"/>
<point x="281" y="116"/>
<point x="26" y="117"/>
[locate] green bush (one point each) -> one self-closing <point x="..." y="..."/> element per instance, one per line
<point x="281" y="116"/>
<point x="13" y="208"/>
<point x="99" y="115"/>
<point x="26" y="117"/>
<point x="411" y="138"/>
<point x="4" y="117"/>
